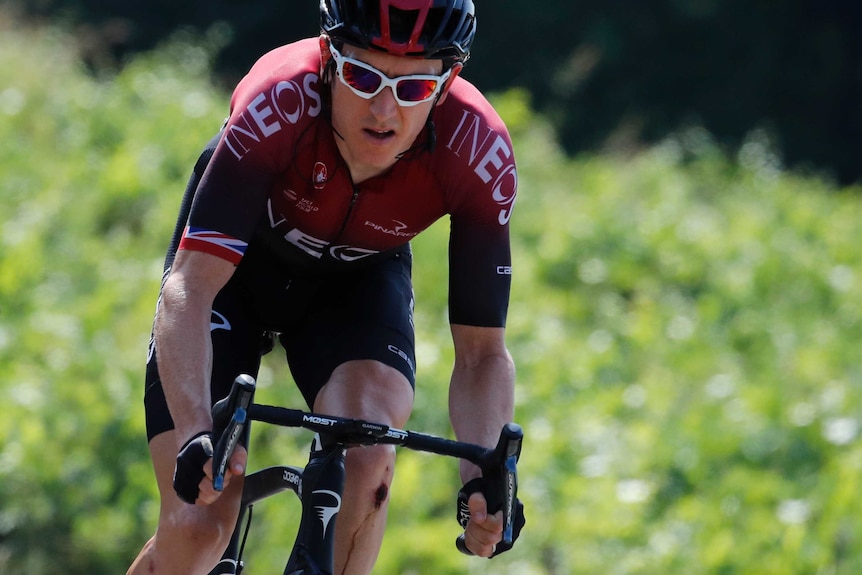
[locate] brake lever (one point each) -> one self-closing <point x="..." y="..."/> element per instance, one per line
<point x="230" y="416"/>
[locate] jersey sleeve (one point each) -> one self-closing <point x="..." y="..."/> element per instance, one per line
<point x="480" y="271"/>
<point x="485" y="183"/>
<point x="228" y="203"/>
<point x="255" y="145"/>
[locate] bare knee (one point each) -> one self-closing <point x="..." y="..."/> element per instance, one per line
<point x="367" y="390"/>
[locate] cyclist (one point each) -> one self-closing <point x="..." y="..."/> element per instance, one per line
<point x="295" y="226"/>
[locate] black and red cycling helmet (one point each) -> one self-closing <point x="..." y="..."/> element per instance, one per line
<point x="434" y="29"/>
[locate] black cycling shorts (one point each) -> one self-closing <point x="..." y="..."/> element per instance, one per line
<point x="321" y="322"/>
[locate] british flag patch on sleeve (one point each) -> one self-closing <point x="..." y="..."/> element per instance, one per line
<point x="215" y="243"/>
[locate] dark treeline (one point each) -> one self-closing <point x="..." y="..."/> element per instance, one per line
<point x="608" y="72"/>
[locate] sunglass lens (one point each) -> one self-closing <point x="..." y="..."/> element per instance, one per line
<point x="416" y="90"/>
<point x="361" y="78"/>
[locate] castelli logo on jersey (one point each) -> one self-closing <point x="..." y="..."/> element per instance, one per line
<point x="319" y="176"/>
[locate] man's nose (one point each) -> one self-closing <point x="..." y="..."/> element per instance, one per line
<point x="384" y="104"/>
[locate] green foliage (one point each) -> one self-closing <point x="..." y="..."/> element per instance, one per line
<point x="92" y="171"/>
<point x="686" y="341"/>
<point x="610" y="73"/>
<point x="685" y="327"/>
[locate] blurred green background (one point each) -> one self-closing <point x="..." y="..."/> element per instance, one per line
<point x="685" y="315"/>
<point x="610" y="74"/>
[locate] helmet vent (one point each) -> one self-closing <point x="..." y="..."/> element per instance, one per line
<point x="402" y="24"/>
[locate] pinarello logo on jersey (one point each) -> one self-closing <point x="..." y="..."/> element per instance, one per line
<point x="319" y="176"/>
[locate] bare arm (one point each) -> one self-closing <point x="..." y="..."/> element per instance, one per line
<point x="481" y="401"/>
<point x="182" y="332"/>
<point x="481" y="393"/>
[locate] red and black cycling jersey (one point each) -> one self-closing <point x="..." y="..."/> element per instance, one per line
<point x="277" y="185"/>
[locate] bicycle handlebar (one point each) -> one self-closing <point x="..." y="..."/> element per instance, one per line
<point x="498" y="465"/>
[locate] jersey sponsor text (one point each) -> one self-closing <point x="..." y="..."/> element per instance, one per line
<point x="286" y="102"/>
<point x="491" y="158"/>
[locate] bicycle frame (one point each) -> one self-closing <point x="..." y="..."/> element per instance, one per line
<point x="320" y="483"/>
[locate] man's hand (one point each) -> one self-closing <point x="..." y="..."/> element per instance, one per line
<point x="193" y="475"/>
<point x="483" y="531"/>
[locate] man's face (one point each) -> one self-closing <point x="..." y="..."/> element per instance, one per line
<point x="374" y="131"/>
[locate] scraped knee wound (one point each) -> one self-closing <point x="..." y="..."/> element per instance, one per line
<point x="380" y="495"/>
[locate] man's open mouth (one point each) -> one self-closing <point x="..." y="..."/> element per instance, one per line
<point x="379" y="134"/>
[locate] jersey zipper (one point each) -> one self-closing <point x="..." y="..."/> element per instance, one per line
<point x="347" y="215"/>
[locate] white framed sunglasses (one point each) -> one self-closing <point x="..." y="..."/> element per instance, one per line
<point x="366" y="81"/>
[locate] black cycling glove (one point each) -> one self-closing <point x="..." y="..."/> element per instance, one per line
<point x="190" y="466"/>
<point x="479" y="484"/>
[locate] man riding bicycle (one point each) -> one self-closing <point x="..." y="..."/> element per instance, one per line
<point x="296" y="225"/>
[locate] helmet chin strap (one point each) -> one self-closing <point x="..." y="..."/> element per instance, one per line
<point x="432" y="134"/>
<point x="336" y="132"/>
<point x="429" y="125"/>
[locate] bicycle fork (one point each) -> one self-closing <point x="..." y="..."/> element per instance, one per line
<point x="321" y="491"/>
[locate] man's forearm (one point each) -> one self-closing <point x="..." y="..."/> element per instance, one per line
<point x="184" y="358"/>
<point x="481" y="401"/>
